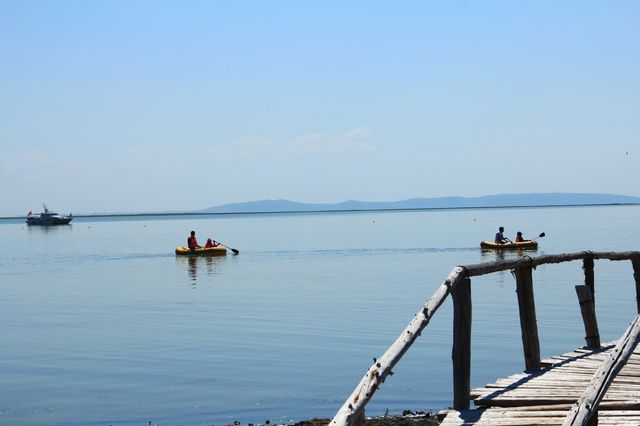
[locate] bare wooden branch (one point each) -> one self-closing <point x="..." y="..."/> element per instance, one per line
<point x="505" y="265"/>
<point x="381" y="368"/>
<point x="588" y="310"/>
<point x="588" y="404"/>
<point x="461" y="352"/>
<point x="611" y="255"/>
<point x="528" y="322"/>
<point x="497" y="266"/>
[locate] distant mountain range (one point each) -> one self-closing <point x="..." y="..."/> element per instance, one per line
<point x="487" y="201"/>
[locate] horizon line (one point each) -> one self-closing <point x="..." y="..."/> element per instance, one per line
<point x="391" y="209"/>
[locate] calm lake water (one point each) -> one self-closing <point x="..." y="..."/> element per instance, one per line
<point x="101" y="324"/>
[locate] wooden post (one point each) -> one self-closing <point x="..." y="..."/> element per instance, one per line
<point x="636" y="277"/>
<point x="528" y="322"/>
<point x="359" y="419"/>
<point x="588" y="310"/>
<point x="461" y="352"/>
<point x="589" y="281"/>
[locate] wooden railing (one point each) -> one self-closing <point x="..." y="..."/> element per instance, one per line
<point x="586" y="408"/>
<point x="458" y="284"/>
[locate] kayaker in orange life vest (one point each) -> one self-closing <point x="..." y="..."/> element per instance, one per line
<point x="519" y="238"/>
<point x="192" y="243"/>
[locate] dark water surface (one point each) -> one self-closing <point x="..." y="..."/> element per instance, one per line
<point x="100" y="323"/>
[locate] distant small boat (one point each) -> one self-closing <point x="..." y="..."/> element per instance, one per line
<point x="211" y="251"/>
<point x="509" y="246"/>
<point x="48" y="218"/>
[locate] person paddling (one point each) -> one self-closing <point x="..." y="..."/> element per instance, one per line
<point x="211" y="243"/>
<point x="500" y="239"/>
<point x="519" y="238"/>
<point x="192" y="242"/>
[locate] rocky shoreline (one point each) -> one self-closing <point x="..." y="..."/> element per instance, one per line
<point x="408" y="418"/>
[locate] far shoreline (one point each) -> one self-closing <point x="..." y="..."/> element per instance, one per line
<point x="379" y="210"/>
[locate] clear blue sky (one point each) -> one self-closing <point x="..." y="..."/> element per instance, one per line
<point x="158" y="105"/>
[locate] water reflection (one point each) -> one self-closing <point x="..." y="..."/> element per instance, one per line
<point x="490" y="255"/>
<point x="196" y="265"/>
<point x="48" y="229"/>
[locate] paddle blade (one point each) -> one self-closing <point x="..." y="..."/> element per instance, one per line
<point x="235" y="251"/>
<point x="541" y="235"/>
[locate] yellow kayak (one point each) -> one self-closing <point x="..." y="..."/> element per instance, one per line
<point x="211" y="251"/>
<point x="509" y="246"/>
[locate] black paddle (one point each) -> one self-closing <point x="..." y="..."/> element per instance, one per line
<point x="539" y="236"/>
<point x="232" y="249"/>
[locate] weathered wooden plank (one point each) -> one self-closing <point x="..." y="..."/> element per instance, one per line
<point x="632" y="367"/>
<point x="604" y="405"/>
<point x="505" y="401"/>
<point x="462" y="420"/>
<point x="497" y="413"/>
<point x="630" y="381"/>
<point x="461" y="351"/>
<point x="489" y="417"/>
<point x="550" y="392"/>
<point x="542" y="414"/>
<point x="569" y="383"/>
<point x="591" y="364"/>
<point x="569" y="380"/>
<point x="587" y="406"/>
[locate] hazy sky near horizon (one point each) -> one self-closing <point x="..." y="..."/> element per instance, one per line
<point x="167" y="105"/>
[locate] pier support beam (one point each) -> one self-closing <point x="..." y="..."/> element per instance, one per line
<point x="461" y="352"/>
<point x="589" y="280"/>
<point x="636" y="277"/>
<point x="528" y="322"/>
<point x="359" y="419"/>
<point x="588" y="310"/>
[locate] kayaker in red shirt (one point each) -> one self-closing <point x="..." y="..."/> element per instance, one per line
<point x="519" y="238"/>
<point x="211" y="243"/>
<point x="192" y="242"/>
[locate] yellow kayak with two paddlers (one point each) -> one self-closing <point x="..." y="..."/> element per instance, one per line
<point x="210" y="251"/>
<point x="509" y="246"/>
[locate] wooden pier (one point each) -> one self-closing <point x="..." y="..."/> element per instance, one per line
<point x="597" y="384"/>
<point x="563" y="392"/>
